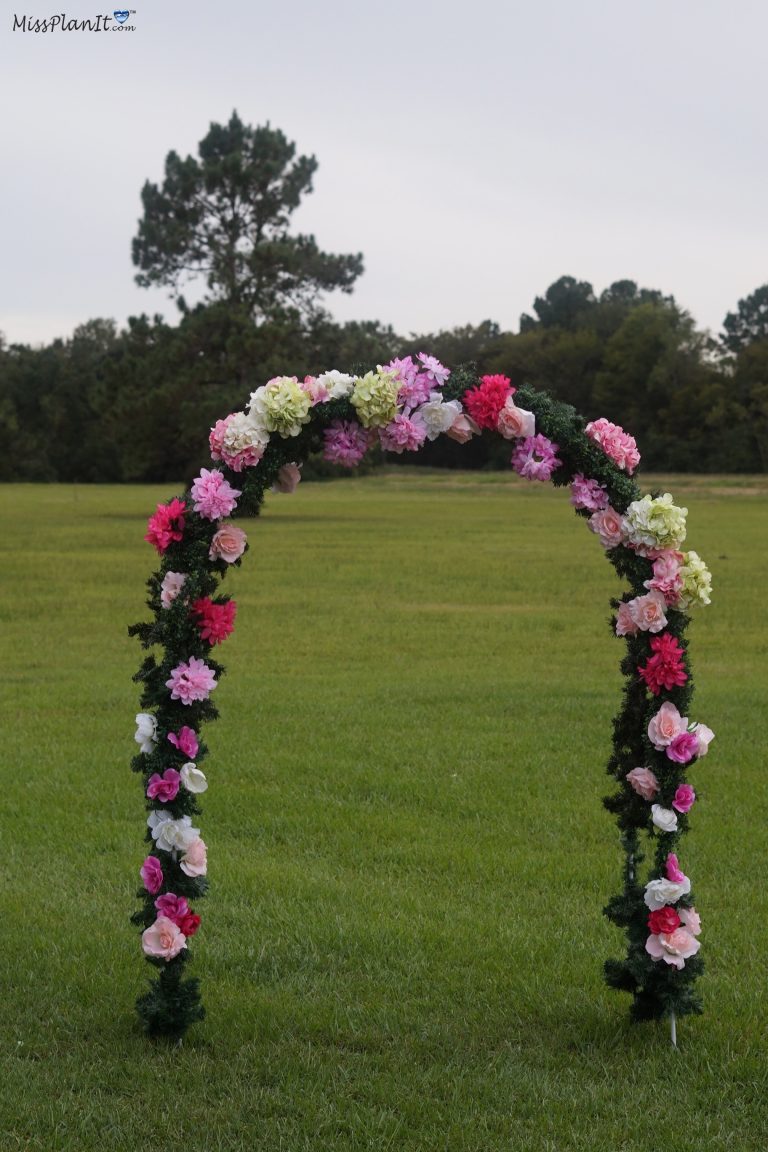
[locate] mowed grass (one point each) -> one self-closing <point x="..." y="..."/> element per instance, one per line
<point x="403" y="943"/>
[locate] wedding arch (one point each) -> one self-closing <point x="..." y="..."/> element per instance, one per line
<point x="401" y="406"/>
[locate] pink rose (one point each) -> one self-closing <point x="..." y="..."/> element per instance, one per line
<point x="648" y="611"/>
<point x="172" y="584"/>
<point x="194" y="862"/>
<point x="164" y="788"/>
<point x="228" y="543"/>
<point x="665" y="726"/>
<point x="673" y="871"/>
<point x="684" y="797"/>
<point x="673" y="947"/>
<point x="691" y="920"/>
<point x="163" y="939"/>
<point x="287" y="479"/>
<point x="463" y="429"/>
<point x="625" y="625"/>
<point x="609" y="526"/>
<point x="683" y="748"/>
<point x="514" y="422"/>
<point x="172" y="906"/>
<point x="152" y="875"/>
<point x="185" y="740"/>
<point x="644" y="782"/>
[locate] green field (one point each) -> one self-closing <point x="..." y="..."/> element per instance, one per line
<point x="403" y="943"/>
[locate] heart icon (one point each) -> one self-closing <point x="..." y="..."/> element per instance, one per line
<point x="121" y="17"/>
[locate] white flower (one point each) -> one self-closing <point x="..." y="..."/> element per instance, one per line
<point x="437" y="415"/>
<point x="146" y="732"/>
<point x="697" y="582"/>
<point x="704" y="735"/>
<point x="661" y="892"/>
<point x="172" y="584"/>
<point x="655" y="523"/>
<point x="170" y="834"/>
<point x="664" y="818"/>
<point x="243" y="432"/>
<point x="338" y="384"/>
<point x="192" y="778"/>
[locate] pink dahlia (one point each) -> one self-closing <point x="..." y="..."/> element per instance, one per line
<point x="485" y="402"/>
<point x="191" y="681"/>
<point x="535" y="458"/>
<point x="186" y="741"/>
<point x="164" y="788"/>
<point x="215" y="621"/>
<point x="346" y="442"/>
<point x="212" y="495"/>
<point x="617" y="444"/>
<point x="166" y="525"/>
<point x="665" y="669"/>
<point x="402" y="435"/>
<point x="588" y="494"/>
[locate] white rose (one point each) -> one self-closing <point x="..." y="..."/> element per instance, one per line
<point x="338" y="384"/>
<point x="661" y="892"/>
<point x="169" y="834"/>
<point x="192" y="778"/>
<point x="146" y="731"/>
<point x="664" y="818"/>
<point x="437" y="415"/>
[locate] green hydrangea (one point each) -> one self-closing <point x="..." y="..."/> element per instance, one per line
<point x="281" y="406"/>
<point x="697" y="582"/>
<point x="655" y="523"/>
<point x="374" y="398"/>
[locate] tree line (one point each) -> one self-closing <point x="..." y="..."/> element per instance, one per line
<point x="131" y="405"/>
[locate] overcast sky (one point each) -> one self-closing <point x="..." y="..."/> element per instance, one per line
<point x="473" y="152"/>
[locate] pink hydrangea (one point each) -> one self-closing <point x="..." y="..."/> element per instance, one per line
<point x="617" y="444"/>
<point x="588" y="494"/>
<point x="402" y="435"/>
<point x="191" y="680"/>
<point x="667" y="577"/>
<point x="535" y="458"/>
<point x="212" y="495"/>
<point x="164" y="788"/>
<point x="166" y="525"/>
<point x="235" y="442"/>
<point x="346" y="442"/>
<point x="666" y="668"/>
<point x="186" y="741"/>
<point x="152" y="875"/>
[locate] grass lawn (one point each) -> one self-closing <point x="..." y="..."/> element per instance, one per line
<point x="403" y="943"/>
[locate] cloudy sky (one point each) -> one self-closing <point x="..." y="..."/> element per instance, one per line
<point x="474" y="152"/>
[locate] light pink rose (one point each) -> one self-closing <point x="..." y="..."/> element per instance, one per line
<point x="665" y="726"/>
<point x="673" y="947"/>
<point x="644" y="782"/>
<point x="194" y="862"/>
<point x="648" y="611"/>
<point x="514" y="422"/>
<point x="691" y="920"/>
<point x="172" y="584"/>
<point x="609" y="526"/>
<point x="164" y="939"/>
<point x="228" y="543"/>
<point x="463" y="429"/>
<point x="625" y="625"/>
<point x="287" y="479"/>
<point x="703" y="735"/>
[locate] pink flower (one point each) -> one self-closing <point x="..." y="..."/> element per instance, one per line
<point x="648" y="612"/>
<point x="625" y="625"/>
<point x="615" y="442"/>
<point x="236" y="442"/>
<point x="186" y="741"/>
<point x="287" y="479"/>
<point x="318" y="393"/>
<point x="535" y="458"/>
<point x="588" y="494"/>
<point x="691" y="920"/>
<point x="684" y="798"/>
<point x="172" y="584"/>
<point x="166" y="525"/>
<point x="665" y="669"/>
<point x="462" y="429"/>
<point x="666" y="575"/>
<point x="665" y="726"/>
<point x="485" y="402"/>
<point x="172" y="906"/>
<point x="704" y="736"/>
<point x="163" y="939"/>
<point x="214" y="621"/>
<point x="402" y="435"/>
<point x="152" y="875"/>
<point x="164" y="788"/>
<point x="673" y="947"/>
<point x="609" y="526"/>
<point x="644" y="782"/>
<point x="683" y="748"/>
<point x="228" y="544"/>
<point x="191" y="681"/>
<point x="212" y="495"/>
<point x="673" y="871"/>
<point x="415" y="386"/>
<point x="346" y="442"/>
<point x="515" y="423"/>
<point x="433" y="369"/>
<point x="194" y="862"/>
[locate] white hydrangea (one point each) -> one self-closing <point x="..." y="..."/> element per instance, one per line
<point x="697" y="582"/>
<point x="280" y="406"/>
<point x="337" y="384"/>
<point x="654" y="523"/>
<point x="243" y="432"/>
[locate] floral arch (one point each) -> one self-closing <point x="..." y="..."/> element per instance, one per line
<point x="401" y="406"/>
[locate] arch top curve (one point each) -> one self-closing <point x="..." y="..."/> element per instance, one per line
<point x="400" y="407"/>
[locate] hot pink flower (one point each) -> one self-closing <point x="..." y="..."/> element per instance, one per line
<point x="609" y="526"/>
<point x="287" y="479"/>
<point x="194" y="862"/>
<point x="402" y="435"/>
<point x="673" y="947"/>
<point x="485" y="402"/>
<point x="644" y="782"/>
<point x="172" y="906"/>
<point x="648" y="612"/>
<point x="346" y="442"/>
<point x="212" y="495"/>
<point x="186" y="741"/>
<point x="684" y="798"/>
<point x="191" y="681"/>
<point x="665" y="669"/>
<point x="152" y="875"/>
<point x="683" y="748"/>
<point x="617" y="444"/>
<point x="214" y="621"/>
<point x="673" y="871"/>
<point x="189" y="924"/>
<point x="664" y="919"/>
<point x="166" y="525"/>
<point x="666" y="725"/>
<point x="163" y="939"/>
<point x="228" y="543"/>
<point x="164" y="788"/>
<point x="588" y="494"/>
<point x="535" y="458"/>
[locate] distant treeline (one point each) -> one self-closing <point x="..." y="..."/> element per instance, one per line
<point x="135" y="405"/>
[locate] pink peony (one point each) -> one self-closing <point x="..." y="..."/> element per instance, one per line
<point x="164" y="939"/>
<point x="648" y="612"/>
<point x="667" y="578"/>
<point x="683" y="748"/>
<point x="665" y="669"/>
<point x="166" y="525"/>
<point x="152" y="875"/>
<point x="609" y="526"/>
<point x="164" y="788"/>
<point x="287" y="479"/>
<point x="485" y="402"/>
<point x="194" y="862"/>
<point x="186" y="741"/>
<point x="644" y="782"/>
<point x="346" y="442"/>
<point x="402" y="435"/>
<point x="673" y="871"/>
<point x="673" y="947"/>
<point x="212" y="495"/>
<point x="691" y="920"/>
<point x="588" y="494"/>
<point x="228" y="543"/>
<point x="462" y="429"/>
<point x="665" y="726"/>
<point x="172" y="906"/>
<point x="214" y="621"/>
<point x="431" y="367"/>
<point x="625" y="625"/>
<point x="191" y="681"/>
<point x="172" y="584"/>
<point x="535" y="458"/>
<point x="684" y="798"/>
<point x="515" y="423"/>
<point x="617" y="444"/>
